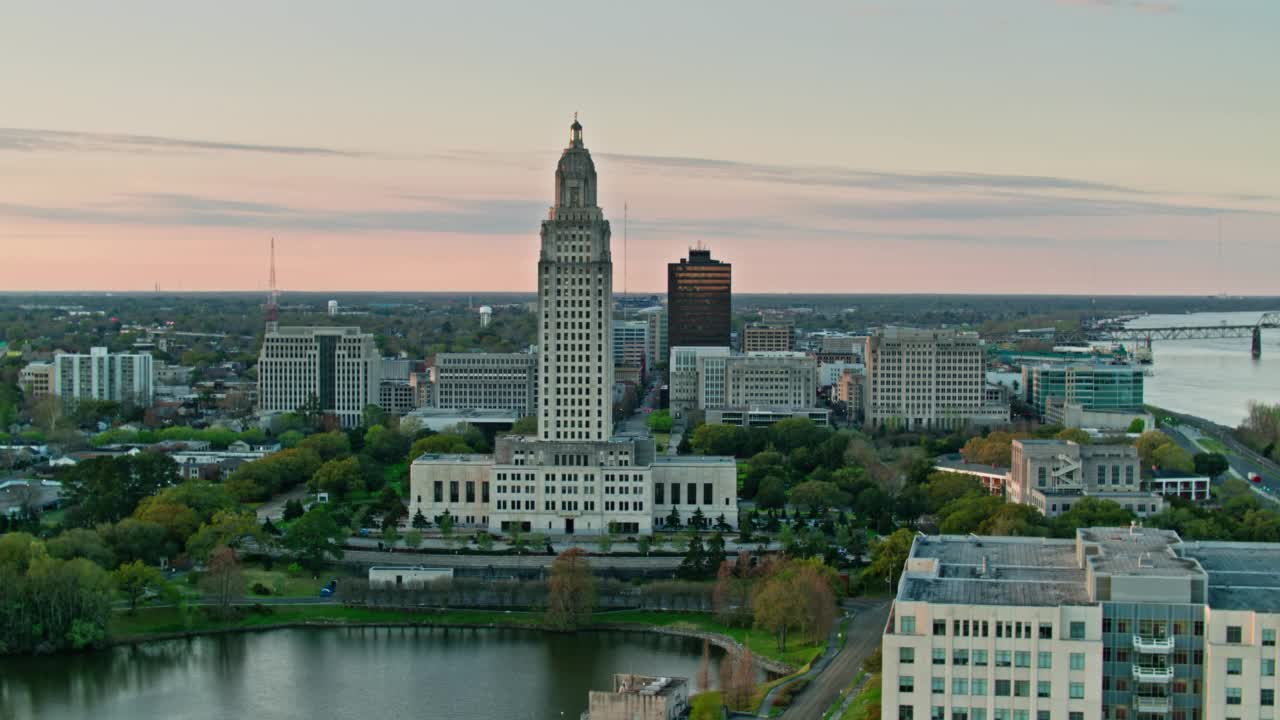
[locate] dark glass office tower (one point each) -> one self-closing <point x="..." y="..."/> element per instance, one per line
<point x="698" y="300"/>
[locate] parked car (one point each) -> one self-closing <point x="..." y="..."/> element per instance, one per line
<point x="329" y="589"/>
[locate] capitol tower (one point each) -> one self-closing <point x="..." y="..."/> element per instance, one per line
<point x="575" y="476"/>
<point x="575" y="297"/>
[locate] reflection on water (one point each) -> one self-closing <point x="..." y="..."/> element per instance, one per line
<point x="1214" y="379"/>
<point x="346" y="672"/>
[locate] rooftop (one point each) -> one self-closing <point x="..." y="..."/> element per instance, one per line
<point x="1242" y="576"/>
<point x="970" y="570"/>
<point x="453" y="458"/>
<point x="1136" y="551"/>
<point x="956" y="462"/>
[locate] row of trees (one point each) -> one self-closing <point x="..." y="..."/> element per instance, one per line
<point x="1261" y="429"/>
<point x="49" y="604"/>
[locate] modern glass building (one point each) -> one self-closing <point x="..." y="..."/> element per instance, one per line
<point x="1095" y="386"/>
<point x="699" y="293"/>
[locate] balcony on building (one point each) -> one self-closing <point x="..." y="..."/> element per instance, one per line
<point x="1153" y="646"/>
<point x="1162" y="675"/>
<point x="1149" y="704"/>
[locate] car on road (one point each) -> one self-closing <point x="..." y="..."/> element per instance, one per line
<point x="1255" y="478"/>
<point x="329" y="589"/>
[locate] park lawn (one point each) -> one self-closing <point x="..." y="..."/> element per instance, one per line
<point x="1212" y="445"/>
<point x="869" y="696"/>
<point x="798" y="654"/>
<point x="304" y="585"/>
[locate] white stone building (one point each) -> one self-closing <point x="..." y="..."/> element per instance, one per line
<point x="339" y="366"/>
<point x="1117" y="624"/>
<point x="631" y="342"/>
<point x="926" y="379"/>
<point x="486" y="381"/>
<point x="103" y="375"/>
<point x="576" y="476"/>
<point x="1052" y="475"/>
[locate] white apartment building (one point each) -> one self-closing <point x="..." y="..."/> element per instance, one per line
<point x="339" y="366"/>
<point x="36" y="379"/>
<point x="1117" y="624"/>
<point x="103" y="375"/>
<point x="486" y="381"/>
<point x="1051" y="475"/>
<point x="658" y="347"/>
<point x="575" y="477"/>
<point x="684" y="371"/>
<point x="925" y="379"/>
<point x="631" y="342"/>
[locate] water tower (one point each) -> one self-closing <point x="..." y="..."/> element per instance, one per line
<point x="486" y="316"/>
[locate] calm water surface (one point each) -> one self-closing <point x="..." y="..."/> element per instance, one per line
<point x="318" y="674"/>
<point x="1214" y="379"/>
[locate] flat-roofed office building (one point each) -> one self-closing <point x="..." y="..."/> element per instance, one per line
<point x="1115" y="624"/>
<point x="486" y="381"/>
<point x="338" y="366"/>
<point x="699" y="300"/>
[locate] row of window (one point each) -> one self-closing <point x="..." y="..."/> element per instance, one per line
<point x="937" y="712"/>
<point x="1000" y="688"/>
<point x="1003" y="658"/>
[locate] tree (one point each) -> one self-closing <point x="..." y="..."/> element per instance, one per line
<point x="390" y="534"/>
<point x="445" y="523"/>
<point x="413" y="539"/>
<point x="384" y="444"/>
<point x="818" y="496"/>
<point x="314" y="537"/>
<point x="373" y="415"/>
<point x="133" y="539"/>
<point x="1075" y="435"/>
<point x="714" y="556"/>
<point x="659" y="421"/>
<point x="702" y="681"/>
<point x="527" y="425"/>
<point x="644" y="544"/>
<point x="176" y="518"/>
<point x="778" y="608"/>
<point x="718" y="439"/>
<point x="1172" y="457"/>
<point x="994" y="449"/>
<point x="333" y="445"/>
<point x="484" y="542"/>
<point x="1210" y="464"/>
<point x="134" y="580"/>
<point x="772" y="493"/>
<point x="1091" y="512"/>
<point x="889" y="555"/>
<point x="704" y="706"/>
<point x="292" y="510"/>
<point x="107" y="489"/>
<point x="731" y="595"/>
<point x="223" y="579"/>
<point x="420" y="521"/>
<point x="694" y="564"/>
<point x="605" y="542"/>
<point x="1137" y="426"/>
<point x="1013" y="519"/>
<point x="571" y="592"/>
<point x="1147" y="444"/>
<point x="83" y="543"/>
<point x="672" y="521"/>
<point x="698" y="520"/>
<point x="226" y="529"/>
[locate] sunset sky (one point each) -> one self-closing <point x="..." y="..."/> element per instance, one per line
<point x="1076" y="146"/>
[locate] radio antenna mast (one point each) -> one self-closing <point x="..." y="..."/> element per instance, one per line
<point x="273" y="295"/>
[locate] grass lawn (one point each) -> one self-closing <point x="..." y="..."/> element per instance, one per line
<point x="762" y="643"/>
<point x="281" y="583"/>
<point x="1212" y="445"/>
<point x="52" y="518"/>
<point x="869" y="696"/>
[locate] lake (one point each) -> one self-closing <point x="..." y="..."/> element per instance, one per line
<point x="1213" y="379"/>
<point x="318" y="674"/>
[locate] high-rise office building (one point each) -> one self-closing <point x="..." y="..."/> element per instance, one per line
<point x="928" y="379"/>
<point x="486" y="381"/>
<point x="699" y="300"/>
<point x="338" y="366"/>
<point x="575" y="476"/>
<point x="631" y="342"/>
<point x="1115" y="624"/>
<point x="768" y="337"/>
<point x="659" y="350"/>
<point x="102" y="375"/>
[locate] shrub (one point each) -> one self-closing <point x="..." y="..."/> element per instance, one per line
<point x="260" y="589"/>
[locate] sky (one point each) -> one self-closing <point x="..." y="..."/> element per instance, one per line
<point x="950" y="146"/>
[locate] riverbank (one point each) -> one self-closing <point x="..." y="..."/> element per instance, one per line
<point x="168" y="623"/>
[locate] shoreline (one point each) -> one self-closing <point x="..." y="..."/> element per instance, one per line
<point x="771" y="667"/>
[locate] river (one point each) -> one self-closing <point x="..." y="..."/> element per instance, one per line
<point x="1212" y="379"/>
<point x="318" y="674"/>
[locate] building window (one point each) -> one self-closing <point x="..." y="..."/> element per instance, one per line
<point x="1042" y="689"/>
<point x="906" y="712"/>
<point x="906" y="656"/>
<point x="1269" y="637"/>
<point x="960" y="713"/>
<point x="453" y="491"/>
<point x="980" y="657"/>
<point x="1002" y="688"/>
<point x="1077" y="661"/>
<point x="978" y="687"/>
<point x="938" y="685"/>
<point x="1233" y="696"/>
<point x="1075" y="715"/>
<point x="1022" y="659"/>
<point x="1002" y="658"/>
<point x="1077" y="691"/>
<point x="1021" y="688"/>
<point x="906" y="683"/>
<point x="1268" y="697"/>
<point x="959" y="686"/>
<point x="1046" y="631"/>
<point x="960" y="657"/>
<point x="1077" y="630"/>
<point x="659" y="497"/>
<point x="1235" y="666"/>
<point x="1044" y="661"/>
<point x="1233" y="634"/>
<point x="937" y="712"/>
<point x="939" y="656"/>
<point x="438" y="491"/>
<point x="1268" y="667"/>
<point x="939" y="627"/>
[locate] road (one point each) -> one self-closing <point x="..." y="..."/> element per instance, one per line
<point x="829" y="679"/>
<point x="274" y="508"/>
<point x="1242" y="462"/>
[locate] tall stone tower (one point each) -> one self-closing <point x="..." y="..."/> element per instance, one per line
<point x="575" y="295"/>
